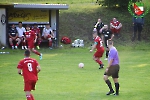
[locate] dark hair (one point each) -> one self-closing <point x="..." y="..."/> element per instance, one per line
<point x="20" y="22"/>
<point x="35" y="24"/>
<point x="27" y="25"/>
<point x="27" y="53"/>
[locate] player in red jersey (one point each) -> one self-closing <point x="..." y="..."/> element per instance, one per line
<point x="29" y="69"/>
<point x="98" y="44"/>
<point x="37" y="31"/>
<point x="115" y="26"/>
<point x="31" y="37"/>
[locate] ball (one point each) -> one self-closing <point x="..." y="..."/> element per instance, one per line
<point x="81" y="65"/>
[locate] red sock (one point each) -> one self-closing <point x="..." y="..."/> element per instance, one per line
<point x="98" y="61"/>
<point x="16" y="44"/>
<point x="32" y="96"/>
<point x="28" y="97"/>
<point x="50" y="43"/>
<point x="39" y="42"/>
<point x="36" y="52"/>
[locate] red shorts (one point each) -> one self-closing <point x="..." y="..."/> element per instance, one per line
<point x="45" y="38"/>
<point x="115" y="30"/>
<point x="99" y="53"/>
<point x="30" y="45"/>
<point x="29" y="85"/>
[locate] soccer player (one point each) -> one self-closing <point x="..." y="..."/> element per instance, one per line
<point x="37" y="31"/>
<point x="99" y="26"/>
<point x="21" y="31"/>
<point x="98" y="44"/>
<point x="13" y="36"/>
<point x="106" y="35"/>
<point x="112" y="69"/>
<point x="31" y="37"/>
<point x="48" y="34"/>
<point x="115" y="26"/>
<point x="29" y="69"/>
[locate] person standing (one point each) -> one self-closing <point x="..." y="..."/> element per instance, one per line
<point x="98" y="45"/>
<point x="106" y="35"/>
<point x="37" y="31"/>
<point x="138" y="23"/>
<point x="31" y="37"/>
<point x="29" y="69"/>
<point x="99" y="26"/>
<point x="115" y="27"/>
<point x="21" y="31"/>
<point x="112" y="69"/>
<point x="13" y="36"/>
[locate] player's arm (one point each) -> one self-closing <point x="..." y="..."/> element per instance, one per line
<point x="19" y="72"/>
<point x="94" y="46"/>
<point x="112" y="36"/>
<point x="38" y="68"/>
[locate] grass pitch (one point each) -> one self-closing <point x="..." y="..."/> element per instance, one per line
<point x="62" y="79"/>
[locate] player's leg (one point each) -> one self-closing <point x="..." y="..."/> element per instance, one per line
<point x="11" y="43"/>
<point x="50" y="43"/>
<point x="38" y="43"/>
<point x="105" y="77"/>
<point x="35" y="51"/>
<point x="115" y="76"/>
<point x="134" y="32"/>
<point x="27" y="90"/>
<point x="96" y="58"/>
<point x="140" y="27"/>
<point x="18" y="42"/>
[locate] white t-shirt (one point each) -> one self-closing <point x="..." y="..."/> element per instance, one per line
<point x="20" y="31"/>
<point x="46" y="31"/>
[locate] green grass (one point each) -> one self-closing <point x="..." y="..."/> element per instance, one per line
<point x="61" y="79"/>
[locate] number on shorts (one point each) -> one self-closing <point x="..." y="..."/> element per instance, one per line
<point x="30" y="67"/>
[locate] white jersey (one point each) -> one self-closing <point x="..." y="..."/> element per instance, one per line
<point x="20" y="31"/>
<point x="46" y="31"/>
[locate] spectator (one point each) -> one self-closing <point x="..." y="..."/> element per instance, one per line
<point x="99" y="26"/>
<point x="21" y="31"/>
<point x="138" y="23"/>
<point x="37" y="31"/>
<point x="13" y="36"/>
<point x="115" y="27"/>
<point x="106" y="35"/>
<point x="48" y="34"/>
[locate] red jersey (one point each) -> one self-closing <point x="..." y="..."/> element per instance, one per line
<point x="30" y="36"/>
<point x="36" y="30"/>
<point x="115" y="23"/>
<point x="99" y="42"/>
<point x="29" y="69"/>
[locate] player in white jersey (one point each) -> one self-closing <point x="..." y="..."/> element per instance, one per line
<point x="48" y="34"/>
<point x="21" y="31"/>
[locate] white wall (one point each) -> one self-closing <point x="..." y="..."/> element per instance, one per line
<point x="2" y="28"/>
<point x="53" y="20"/>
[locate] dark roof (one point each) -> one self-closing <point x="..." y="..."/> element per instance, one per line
<point x="37" y="6"/>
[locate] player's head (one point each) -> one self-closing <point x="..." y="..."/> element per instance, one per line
<point x="94" y="33"/>
<point x="99" y="20"/>
<point x="13" y="25"/>
<point x="20" y="24"/>
<point x="48" y="25"/>
<point x="114" y="19"/>
<point x="35" y="25"/>
<point x="109" y="42"/>
<point x="27" y="53"/>
<point x="27" y="27"/>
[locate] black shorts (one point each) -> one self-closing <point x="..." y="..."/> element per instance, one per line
<point x="113" y="71"/>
